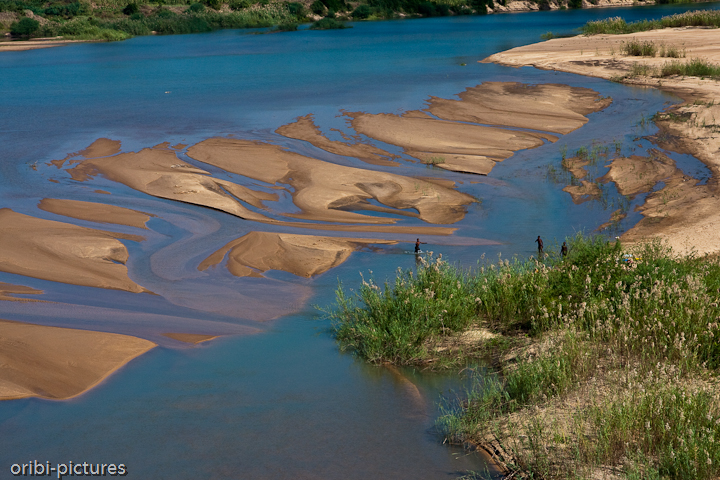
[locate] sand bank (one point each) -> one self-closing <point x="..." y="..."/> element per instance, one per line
<point x="425" y="137"/>
<point x="18" y="46"/>
<point x="684" y="213"/>
<point x="301" y="255"/>
<point x="95" y="212"/>
<point x="636" y="174"/>
<point x="547" y="107"/>
<point x="61" y="252"/>
<point x="583" y="192"/>
<point x="305" y="129"/>
<point x="9" y="290"/>
<point x="328" y="192"/>
<point x="159" y="172"/>
<point x="59" y="363"/>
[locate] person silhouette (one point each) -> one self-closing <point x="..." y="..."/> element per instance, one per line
<point x="563" y="250"/>
<point x="540" y="246"/>
<point x="417" y="245"/>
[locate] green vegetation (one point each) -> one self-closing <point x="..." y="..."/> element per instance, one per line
<point x="120" y="19"/>
<point x="607" y="359"/>
<point x="25" y="27"/>
<point x="638" y="48"/>
<point x="327" y="23"/>
<point x="616" y="25"/>
<point x="695" y="67"/>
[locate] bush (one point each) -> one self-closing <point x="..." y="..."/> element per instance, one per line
<point x="196" y="8"/>
<point x="25" y="27"/>
<point x="317" y="7"/>
<point x="131" y="9"/>
<point x="639" y="49"/>
<point x="165" y="13"/>
<point x="239" y="5"/>
<point x="296" y="9"/>
<point x="336" y="5"/>
<point x="362" y="12"/>
<point x="692" y="68"/>
<point x="214" y="4"/>
<point x="287" y="27"/>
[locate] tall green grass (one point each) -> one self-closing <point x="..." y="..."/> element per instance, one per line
<point x="616" y="25"/>
<point x="399" y="322"/>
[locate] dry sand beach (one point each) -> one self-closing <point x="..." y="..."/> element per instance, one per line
<point x="684" y="213"/>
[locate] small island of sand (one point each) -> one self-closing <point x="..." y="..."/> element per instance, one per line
<point x="59" y="363"/>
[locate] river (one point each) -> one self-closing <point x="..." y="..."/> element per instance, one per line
<point x="282" y="403"/>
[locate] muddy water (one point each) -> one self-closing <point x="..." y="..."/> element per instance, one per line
<point x="273" y="398"/>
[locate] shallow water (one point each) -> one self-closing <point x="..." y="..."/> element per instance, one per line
<point x="281" y="403"/>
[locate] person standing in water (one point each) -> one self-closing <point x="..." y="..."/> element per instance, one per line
<point x="563" y="250"/>
<point x="540" y="246"/>
<point x="417" y="245"/>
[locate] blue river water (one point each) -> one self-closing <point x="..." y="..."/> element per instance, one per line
<point x="282" y="403"/>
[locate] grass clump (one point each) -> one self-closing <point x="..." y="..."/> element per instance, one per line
<point x="695" y="67"/>
<point x="639" y="49"/>
<point x="400" y="323"/>
<point x="616" y="25"/>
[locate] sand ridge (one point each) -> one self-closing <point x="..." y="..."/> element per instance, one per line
<point x="305" y="129"/>
<point x="302" y="255"/>
<point x="61" y="252"/>
<point x="328" y="192"/>
<point x="636" y="174"/>
<point x="59" y="363"/>
<point x="95" y="212"/>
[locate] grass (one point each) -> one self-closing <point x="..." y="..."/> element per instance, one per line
<point x="616" y="25"/>
<point x="608" y="358"/>
<point x="638" y="48"/>
<point x="695" y="67"/>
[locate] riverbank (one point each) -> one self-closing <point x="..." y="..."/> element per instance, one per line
<point x="114" y="20"/>
<point x="599" y="394"/>
<point x="684" y="212"/>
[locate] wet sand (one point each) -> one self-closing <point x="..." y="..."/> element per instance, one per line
<point x="95" y="212"/>
<point x="684" y="213"/>
<point x="301" y="255"/>
<point x="584" y="192"/>
<point x="62" y="252"/>
<point x="59" y="363"/>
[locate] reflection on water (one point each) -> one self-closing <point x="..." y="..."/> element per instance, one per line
<point x="281" y="404"/>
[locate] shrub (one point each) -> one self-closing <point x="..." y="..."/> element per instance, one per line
<point x="25" y="27"/>
<point x="692" y="68"/>
<point x="137" y="16"/>
<point x="165" y="13"/>
<point x="639" y="49"/>
<point x="131" y="8"/>
<point x="214" y="4"/>
<point x="296" y="9"/>
<point x="239" y="5"/>
<point x="196" y="8"/>
<point x="317" y="7"/>
<point x="327" y="24"/>
<point x="336" y="5"/>
<point x="287" y="27"/>
<point x="362" y="12"/>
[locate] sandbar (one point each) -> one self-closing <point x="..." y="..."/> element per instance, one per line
<point x="62" y="252"/>
<point x="95" y="212"/>
<point x="685" y="213"/>
<point x="9" y="290"/>
<point x="305" y="129"/>
<point x="159" y="172"/>
<point x="583" y="192"/>
<point x="59" y="363"/>
<point x="636" y="174"/>
<point x="302" y="255"/>
<point x="547" y="107"/>
<point x="328" y="192"/>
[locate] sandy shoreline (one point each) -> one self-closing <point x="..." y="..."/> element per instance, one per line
<point x="685" y="213"/>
